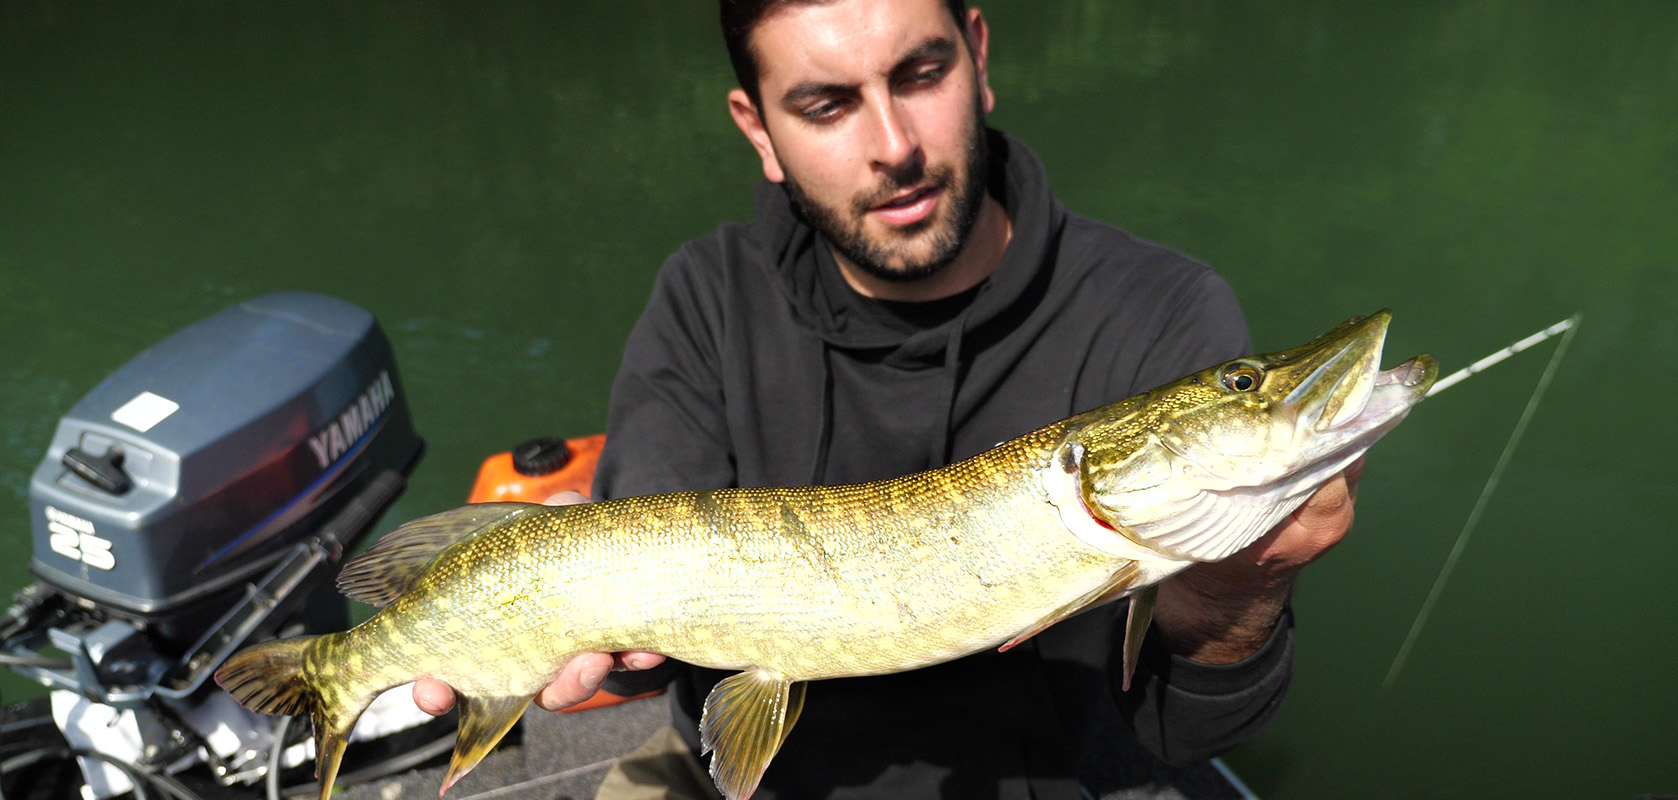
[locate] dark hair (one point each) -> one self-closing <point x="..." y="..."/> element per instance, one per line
<point x="739" y="17"/>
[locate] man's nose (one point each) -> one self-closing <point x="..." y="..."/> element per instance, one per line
<point x="896" y="144"/>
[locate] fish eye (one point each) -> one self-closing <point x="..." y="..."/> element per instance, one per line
<point x="1241" y="377"/>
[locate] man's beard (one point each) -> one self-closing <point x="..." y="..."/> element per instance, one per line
<point x="885" y="259"/>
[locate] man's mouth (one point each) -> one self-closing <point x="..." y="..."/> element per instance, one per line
<point x="908" y="208"/>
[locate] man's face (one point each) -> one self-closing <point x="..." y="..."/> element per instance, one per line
<point x="872" y="116"/>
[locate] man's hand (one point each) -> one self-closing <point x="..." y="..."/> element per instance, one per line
<point x="1224" y="611"/>
<point x="577" y="681"/>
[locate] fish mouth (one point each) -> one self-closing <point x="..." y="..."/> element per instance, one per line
<point x="1395" y="391"/>
<point x="1345" y="393"/>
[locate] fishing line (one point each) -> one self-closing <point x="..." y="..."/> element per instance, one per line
<point x="1568" y="327"/>
<point x="1462" y="374"/>
<point x="541" y="779"/>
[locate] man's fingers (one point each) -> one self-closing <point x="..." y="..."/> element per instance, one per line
<point x="434" y="697"/>
<point x="1322" y="521"/>
<point x="565" y="498"/>
<point x="1311" y="530"/>
<point x="1330" y="498"/>
<point x="578" y="681"/>
<point x="1354" y="473"/>
<point x="636" y="659"/>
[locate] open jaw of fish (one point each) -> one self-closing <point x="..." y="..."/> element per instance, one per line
<point x="795" y="584"/>
<point x="1209" y="464"/>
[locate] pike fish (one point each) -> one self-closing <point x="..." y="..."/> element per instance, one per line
<point x="790" y="585"/>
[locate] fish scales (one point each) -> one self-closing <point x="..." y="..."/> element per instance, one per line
<point x="790" y="585"/>
<point x="885" y="568"/>
<point x="762" y="587"/>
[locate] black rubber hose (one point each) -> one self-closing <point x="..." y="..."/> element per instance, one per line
<point x="273" y="779"/>
<point x="37" y="756"/>
<point x="137" y="775"/>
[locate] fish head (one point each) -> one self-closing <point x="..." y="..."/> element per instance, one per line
<point x="1199" y="468"/>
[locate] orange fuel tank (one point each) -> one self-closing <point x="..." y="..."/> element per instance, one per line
<point x="538" y="469"/>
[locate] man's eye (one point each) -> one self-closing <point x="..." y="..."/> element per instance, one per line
<point x="926" y="77"/>
<point x="824" y="112"/>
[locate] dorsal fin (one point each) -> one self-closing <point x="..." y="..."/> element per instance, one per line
<point x="384" y="571"/>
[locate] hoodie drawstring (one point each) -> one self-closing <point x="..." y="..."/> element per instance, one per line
<point x="824" y="433"/>
<point x="940" y="453"/>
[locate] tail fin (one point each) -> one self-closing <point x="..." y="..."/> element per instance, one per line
<point x="274" y="678"/>
<point x="268" y="678"/>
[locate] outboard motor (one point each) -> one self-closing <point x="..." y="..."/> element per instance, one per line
<point x="200" y="498"/>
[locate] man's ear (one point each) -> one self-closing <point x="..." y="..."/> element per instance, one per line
<point x="978" y="42"/>
<point x="750" y="123"/>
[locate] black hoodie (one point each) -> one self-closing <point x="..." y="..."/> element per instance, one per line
<point x="754" y="364"/>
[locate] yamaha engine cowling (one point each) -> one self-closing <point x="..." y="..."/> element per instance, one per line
<point x="200" y="498"/>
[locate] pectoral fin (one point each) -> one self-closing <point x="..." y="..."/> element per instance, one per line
<point x="483" y="721"/>
<point x="746" y="719"/>
<point x="1135" y="626"/>
<point x="795" y="706"/>
<point x="1113" y="588"/>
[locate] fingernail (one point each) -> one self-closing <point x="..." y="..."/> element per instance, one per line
<point x="593" y="677"/>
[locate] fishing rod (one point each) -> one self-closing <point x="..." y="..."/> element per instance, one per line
<point x="1568" y="327"/>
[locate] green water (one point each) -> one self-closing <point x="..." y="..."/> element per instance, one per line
<point x="499" y="183"/>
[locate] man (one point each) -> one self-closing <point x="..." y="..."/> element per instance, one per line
<point x="910" y="294"/>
